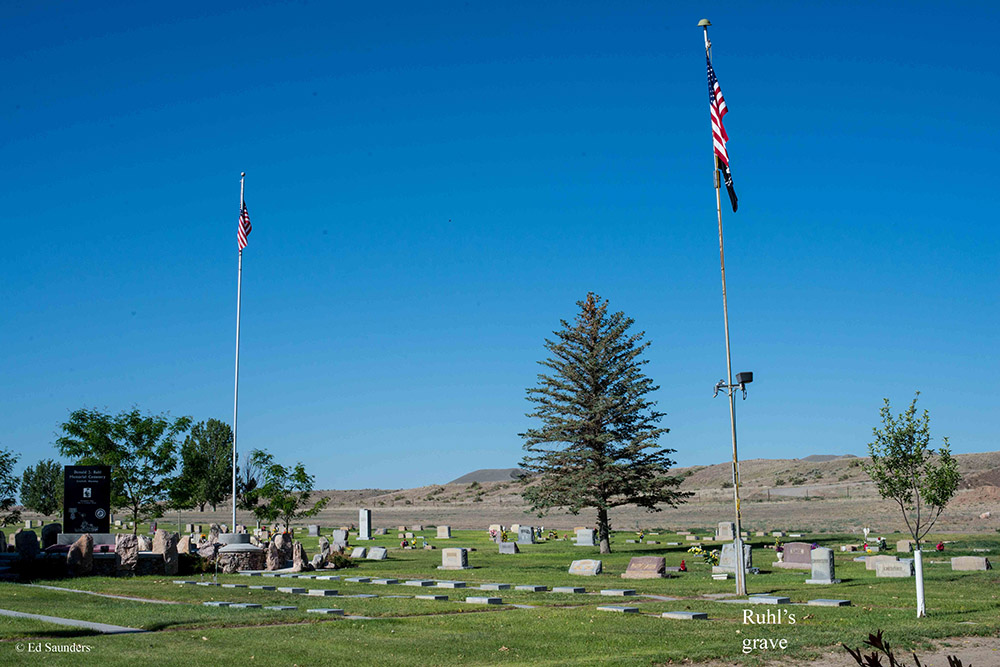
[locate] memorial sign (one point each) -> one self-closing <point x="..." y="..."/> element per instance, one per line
<point x="87" y="499"/>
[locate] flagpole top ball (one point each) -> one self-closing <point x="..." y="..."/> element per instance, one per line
<point x="704" y="23"/>
<point x="243" y="174"/>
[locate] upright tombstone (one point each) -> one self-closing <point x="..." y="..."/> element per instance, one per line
<point x="444" y="532"/>
<point x="340" y="539"/>
<point x="822" y="567"/>
<point x="509" y="548"/>
<point x="586" y="568"/>
<point x="646" y="567"/>
<point x="871" y="562"/>
<point x="796" y="556"/>
<point x="87" y="499"/>
<point x="313" y="530"/>
<point x="525" y="535"/>
<point x="50" y="534"/>
<point x="889" y="568"/>
<point x="364" y="524"/>
<point x="970" y="563"/>
<point x="726" y="531"/>
<point x="454" y="559"/>
<point x="585" y="537"/>
<point x="904" y="545"/>
<point x="727" y="560"/>
<point x="377" y="553"/>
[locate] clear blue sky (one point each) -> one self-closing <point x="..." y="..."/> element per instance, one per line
<point x="433" y="186"/>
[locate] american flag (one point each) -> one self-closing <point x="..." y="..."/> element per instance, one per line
<point x="717" y="105"/>
<point x="243" y="230"/>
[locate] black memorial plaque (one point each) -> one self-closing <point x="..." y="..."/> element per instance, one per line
<point x="87" y="499"/>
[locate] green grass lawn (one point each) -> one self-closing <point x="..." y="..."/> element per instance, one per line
<point x="557" y="629"/>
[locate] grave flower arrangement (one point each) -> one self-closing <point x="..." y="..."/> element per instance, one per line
<point x="710" y="557"/>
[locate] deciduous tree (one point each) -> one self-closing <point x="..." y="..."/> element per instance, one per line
<point x="905" y="469"/>
<point x="42" y="487"/>
<point x="206" y="466"/>
<point x="285" y="493"/>
<point x="141" y="450"/>
<point x="9" y="514"/>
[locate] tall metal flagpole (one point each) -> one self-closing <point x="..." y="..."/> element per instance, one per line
<point x="741" y="584"/>
<point x="236" y="387"/>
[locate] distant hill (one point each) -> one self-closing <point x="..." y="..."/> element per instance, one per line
<point x="489" y="475"/>
<point x="818" y="458"/>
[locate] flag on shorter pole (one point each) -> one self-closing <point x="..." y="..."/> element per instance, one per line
<point x="243" y="231"/>
<point x="717" y="106"/>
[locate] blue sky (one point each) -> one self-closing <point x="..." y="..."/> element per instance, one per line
<point x="432" y="187"/>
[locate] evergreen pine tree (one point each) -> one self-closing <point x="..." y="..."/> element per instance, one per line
<point x="597" y="446"/>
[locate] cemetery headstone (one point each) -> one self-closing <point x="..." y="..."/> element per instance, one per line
<point x="509" y="548"/>
<point x="970" y="563"/>
<point x="727" y="559"/>
<point x="726" y="531"/>
<point x="525" y="535"/>
<point x="50" y="534"/>
<point x="454" y="559"/>
<point x="340" y="539"/>
<point x="585" y="568"/>
<point x="145" y="544"/>
<point x="904" y="545"/>
<point x="585" y="537"/>
<point x="871" y="562"/>
<point x="899" y="568"/>
<point x="444" y="532"/>
<point x="380" y="531"/>
<point x="359" y="552"/>
<point x="822" y="567"/>
<point x="364" y="524"/>
<point x="646" y="567"/>
<point x="377" y="553"/>
<point x="797" y="556"/>
<point x="313" y="530"/>
<point x="416" y="528"/>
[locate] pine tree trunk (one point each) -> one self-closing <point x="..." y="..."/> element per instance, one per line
<point x="603" y="530"/>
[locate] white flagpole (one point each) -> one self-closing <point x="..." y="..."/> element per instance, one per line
<point x="741" y="584"/>
<point x="236" y="387"/>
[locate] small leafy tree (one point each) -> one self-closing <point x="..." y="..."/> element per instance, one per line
<point x="9" y="514"/>
<point x="207" y="466"/>
<point x="596" y="446"/>
<point x="42" y="487"/>
<point x="141" y="450"/>
<point x="248" y="480"/>
<point x="285" y="492"/>
<point x="905" y="469"/>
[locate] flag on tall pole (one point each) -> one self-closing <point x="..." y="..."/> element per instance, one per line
<point x="717" y="105"/>
<point x="721" y="164"/>
<point x="243" y="231"/>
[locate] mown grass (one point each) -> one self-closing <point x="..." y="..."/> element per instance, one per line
<point x="559" y="629"/>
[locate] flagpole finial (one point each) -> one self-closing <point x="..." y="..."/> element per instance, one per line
<point x="704" y="23"/>
<point x="243" y="174"/>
